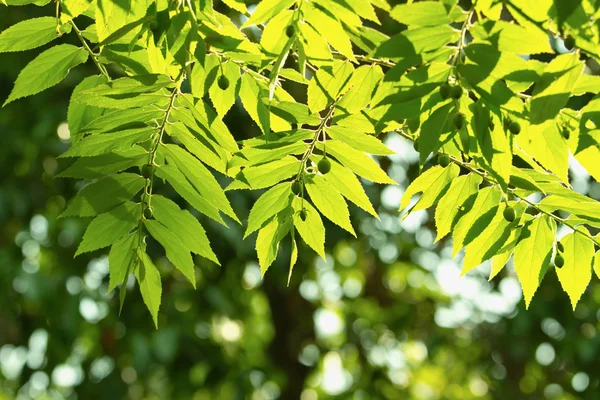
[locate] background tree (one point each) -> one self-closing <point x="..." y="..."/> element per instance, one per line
<point x="385" y="315"/>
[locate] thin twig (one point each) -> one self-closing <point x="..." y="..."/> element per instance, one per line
<point x="93" y="55"/>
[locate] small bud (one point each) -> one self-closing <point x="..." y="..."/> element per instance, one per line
<point x="444" y="160"/>
<point x="223" y="82"/>
<point x="559" y="261"/>
<point x="324" y="165"/>
<point x="509" y="214"/>
<point x="445" y="90"/>
<point x="148" y="212"/>
<point x="456" y="92"/>
<point x="302" y="215"/>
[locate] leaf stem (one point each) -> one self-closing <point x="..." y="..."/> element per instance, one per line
<point x="320" y="129"/>
<point x="93" y="55"/>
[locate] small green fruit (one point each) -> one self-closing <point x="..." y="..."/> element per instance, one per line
<point x="153" y="26"/>
<point x="444" y="160"/>
<point x="459" y="120"/>
<point x="559" y="261"/>
<point x="324" y="165"/>
<point x="514" y="127"/>
<point x="560" y="247"/>
<point x="302" y="215"/>
<point x="223" y="82"/>
<point x="289" y="31"/>
<point x="456" y="92"/>
<point x="445" y="91"/>
<point x="148" y="171"/>
<point x="509" y="214"/>
<point x="569" y="43"/>
<point x="296" y="187"/>
<point x="566" y="133"/>
<point x="148" y="212"/>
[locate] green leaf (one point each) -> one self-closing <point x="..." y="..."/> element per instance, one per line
<point x="177" y="253"/>
<point x="415" y="42"/>
<point x="597" y="264"/>
<point x="362" y="85"/>
<point x="28" y="34"/>
<point x="224" y="99"/>
<point x="200" y="177"/>
<point x="265" y="175"/>
<point x="493" y="142"/>
<point x="293" y="256"/>
<point x="295" y="112"/>
<point x="237" y="5"/>
<point x="449" y="205"/>
<point x="314" y="47"/>
<point x="80" y="115"/>
<point x="432" y="183"/>
<point x="122" y="256"/>
<point x="493" y="237"/>
<point x="576" y="273"/>
<point x="185" y="189"/>
<point x="266" y="10"/>
<point x="330" y="28"/>
<point x="436" y="131"/>
<point x="554" y="155"/>
<point x="553" y="89"/>
<point x="272" y="40"/>
<point x="502" y="256"/>
<point x="95" y="145"/>
<point x="251" y="156"/>
<point x="105" y="164"/>
<point x="423" y="13"/>
<point x="73" y="8"/>
<point x="112" y="15"/>
<point x="184" y="225"/>
<point x="326" y="85"/>
<point x="311" y="230"/>
<point x="125" y="29"/>
<point x="148" y="278"/>
<point x="206" y="117"/>
<point x="533" y="253"/>
<point x="329" y="202"/>
<point x="109" y="227"/>
<point x="583" y="207"/>
<point x="359" y="140"/>
<point x="510" y="37"/>
<point x="344" y="181"/>
<point x="267" y="241"/>
<point x="46" y="70"/>
<point x="358" y="162"/>
<point x="148" y="83"/>
<point x="279" y="62"/>
<point x="476" y="219"/>
<point x="521" y="180"/>
<point x="103" y="195"/>
<point x="121" y="119"/>
<point x="250" y="94"/>
<point x="206" y="151"/>
<point x="268" y="204"/>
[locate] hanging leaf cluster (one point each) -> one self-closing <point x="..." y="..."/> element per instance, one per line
<point x="484" y="89"/>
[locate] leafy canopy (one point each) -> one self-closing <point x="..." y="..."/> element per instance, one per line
<point x="485" y="88"/>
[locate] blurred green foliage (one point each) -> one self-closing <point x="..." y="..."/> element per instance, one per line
<point x="385" y="316"/>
